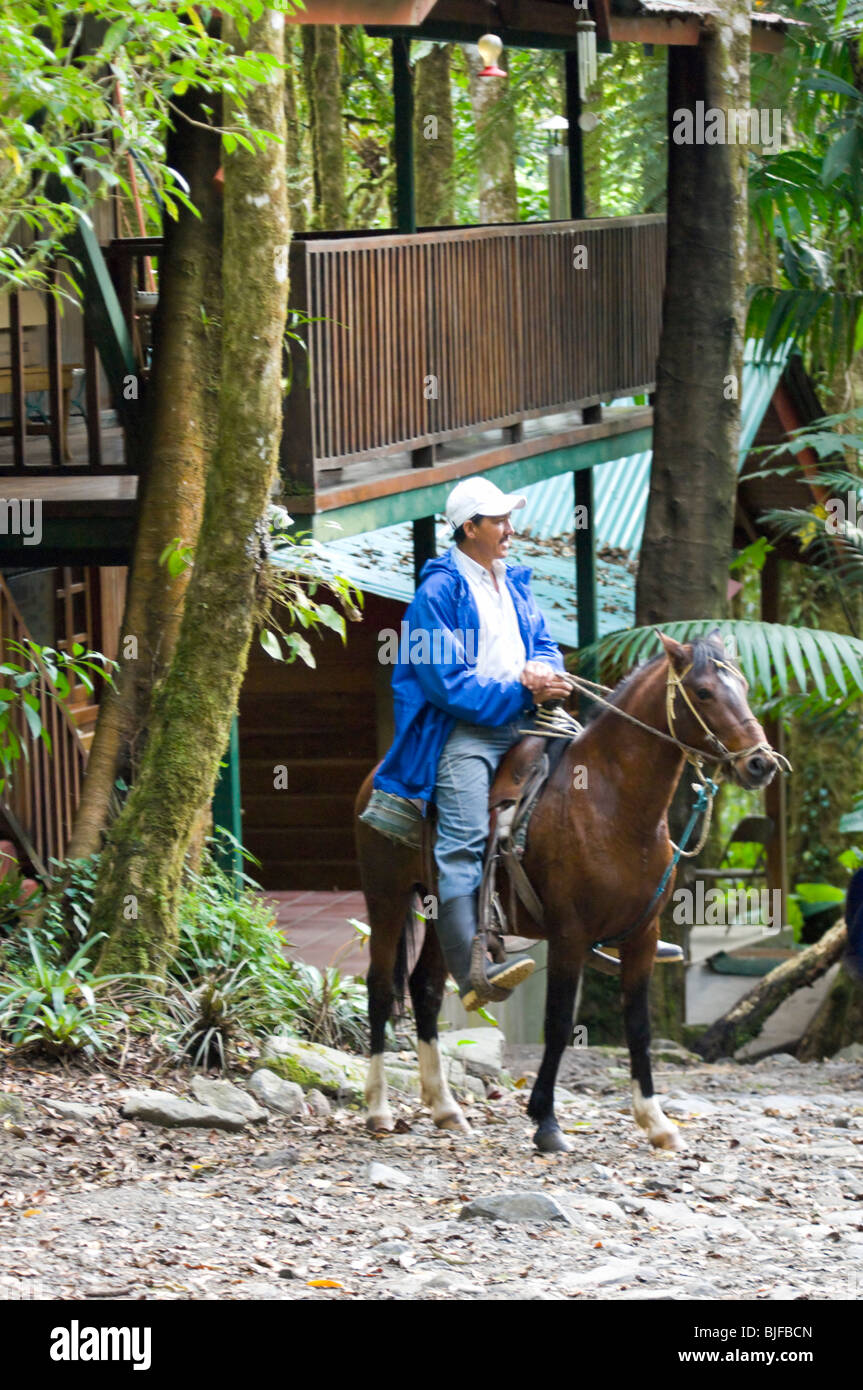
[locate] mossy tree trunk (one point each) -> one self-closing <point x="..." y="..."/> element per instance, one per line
<point x="494" y="118"/>
<point x="322" y="69"/>
<point x="433" y="138"/>
<point x="137" y="890"/>
<point x="181" y="412"/>
<point x="295" y="155"/>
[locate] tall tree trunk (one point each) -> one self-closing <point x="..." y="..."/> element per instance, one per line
<point x="433" y="138"/>
<point x="322" y="68"/>
<point x="137" y="890"/>
<point x="683" y="571"/>
<point x="182" y="407"/>
<point x="494" y="118"/>
<point x="294" y="144"/>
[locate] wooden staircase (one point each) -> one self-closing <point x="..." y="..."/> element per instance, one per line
<point x="39" y="802"/>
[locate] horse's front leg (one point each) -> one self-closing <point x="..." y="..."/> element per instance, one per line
<point x="564" y="974"/>
<point x="636" y="967"/>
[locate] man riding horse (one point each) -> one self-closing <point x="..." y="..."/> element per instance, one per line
<point x="457" y="717"/>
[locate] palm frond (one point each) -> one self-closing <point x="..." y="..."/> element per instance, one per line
<point x="779" y="661"/>
<point x="825" y="536"/>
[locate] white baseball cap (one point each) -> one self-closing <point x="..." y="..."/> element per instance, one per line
<point x="478" y="497"/>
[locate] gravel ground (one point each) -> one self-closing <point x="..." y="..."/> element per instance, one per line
<point x="766" y="1202"/>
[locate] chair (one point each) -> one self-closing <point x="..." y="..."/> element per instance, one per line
<point x="751" y="830"/>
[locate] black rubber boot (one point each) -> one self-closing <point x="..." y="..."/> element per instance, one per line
<point x="456" y="929"/>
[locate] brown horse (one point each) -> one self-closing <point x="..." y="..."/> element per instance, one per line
<point x="597" y="849"/>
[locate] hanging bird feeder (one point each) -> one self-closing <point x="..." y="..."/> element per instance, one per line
<point x="490" y="48"/>
<point x="585" y="30"/>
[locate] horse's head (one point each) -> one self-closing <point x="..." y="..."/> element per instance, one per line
<point x="708" y="709"/>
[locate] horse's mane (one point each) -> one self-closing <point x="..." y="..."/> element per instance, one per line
<point x="704" y="650"/>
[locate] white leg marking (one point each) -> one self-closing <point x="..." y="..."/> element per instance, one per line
<point x="379" y="1114"/>
<point x="648" y="1114"/>
<point x="445" y="1109"/>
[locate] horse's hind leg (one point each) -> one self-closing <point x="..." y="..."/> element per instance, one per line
<point x="427" y="987"/>
<point x="636" y="965"/>
<point x="387" y="921"/>
<point x="563" y="978"/>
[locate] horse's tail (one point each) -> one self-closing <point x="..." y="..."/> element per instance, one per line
<point x="406" y="955"/>
<point x="854" y="923"/>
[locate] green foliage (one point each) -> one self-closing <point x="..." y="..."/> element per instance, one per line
<point x="779" y="661"/>
<point x="227" y="936"/>
<point x="54" y="1007"/>
<point x="65" y="141"/>
<point x="21" y="695"/>
<point x="295" y="571"/>
<point x="177" y="556"/>
<point x="229" y="984"/>
<point x="328" y="1007"/>
<point x="69" y="902"/>
<point x="808" y="196"/>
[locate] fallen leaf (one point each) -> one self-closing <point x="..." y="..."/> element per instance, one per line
<point x="325" y="1284"/>
<point x="33" y="1211"/>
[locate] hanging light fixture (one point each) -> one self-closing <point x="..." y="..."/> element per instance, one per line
<point x="490" y="48"/>
<point x="586" y="46"/>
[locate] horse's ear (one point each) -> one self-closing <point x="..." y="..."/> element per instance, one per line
<point x="674" y="651"/>
<point x="715" y="635"/>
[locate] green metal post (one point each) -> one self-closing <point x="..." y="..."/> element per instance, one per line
<point x="585" y="572"/>
<point x="585" y="537"/>
<point x="574" y="140"/>
<point x="406" y="221"/>
<point x="403" y="96"/>
<point x="227" y="808"/>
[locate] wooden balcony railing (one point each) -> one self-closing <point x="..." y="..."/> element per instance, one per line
<point x="49" y="362"/>
<point x="40" y="801"/>
<point x="414" y="340"/>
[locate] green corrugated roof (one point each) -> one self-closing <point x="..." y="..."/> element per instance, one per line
<point x="381" y="562"/>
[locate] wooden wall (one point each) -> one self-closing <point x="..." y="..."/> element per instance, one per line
<point x="327" y="728"/>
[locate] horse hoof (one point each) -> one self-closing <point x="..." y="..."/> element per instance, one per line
<point x="552" y="1141"/>
<point x="380" y="1124"/>
<point x="455" y="1122"/>
<point x="667" y="1139"/>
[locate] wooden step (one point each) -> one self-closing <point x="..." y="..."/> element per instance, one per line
<point x="284" y="809"/>
<point x="300" y="843"/>
<point x="285" y="875"/>
<point x="332" y="776"/>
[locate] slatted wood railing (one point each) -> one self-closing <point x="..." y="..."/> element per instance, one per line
<point x="40" y="801"/>
<point x="414" y="340"/>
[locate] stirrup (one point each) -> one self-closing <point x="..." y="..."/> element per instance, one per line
<point x="495" y="984"/>
<point x="667" y="953"/>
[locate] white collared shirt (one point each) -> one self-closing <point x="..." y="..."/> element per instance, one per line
<point x="500" y="654"/>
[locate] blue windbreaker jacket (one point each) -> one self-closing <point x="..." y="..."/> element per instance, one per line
<point x="428" y="699"/>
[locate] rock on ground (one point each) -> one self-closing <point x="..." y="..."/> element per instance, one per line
<point x="286" y="1097"/>
<point x="480" y="1050"/>
<point x="515" y="1206"/>
<point x="223" y="1095"/>
<point x="765" y="1202"/>
<point x="162" y="1108"/>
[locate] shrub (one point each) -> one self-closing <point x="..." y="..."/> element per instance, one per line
<point x="55" y="1007"/>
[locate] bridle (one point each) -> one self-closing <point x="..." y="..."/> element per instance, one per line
<point x="723" y="756"/>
